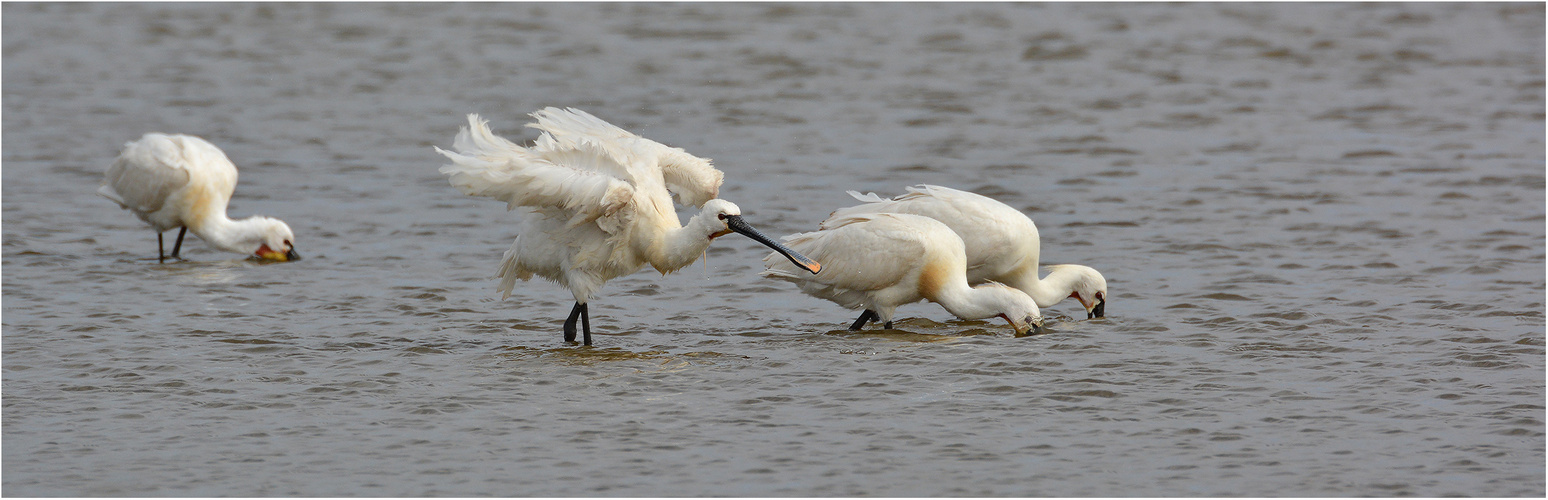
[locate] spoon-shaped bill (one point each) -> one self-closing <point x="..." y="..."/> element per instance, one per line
<point x="1030" y="325"/>
<point x="735" y="223"/>
<point x="266" y="253"/>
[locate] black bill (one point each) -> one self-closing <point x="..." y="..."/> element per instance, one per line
<point x="735" y="223"/>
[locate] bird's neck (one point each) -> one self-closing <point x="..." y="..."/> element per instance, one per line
<point x="220" y="231"/>
<point x="1058" y="285"/>
<point x="1046" y="292"/>
<point x="683" y="245"/>
<point x="983" y="301"/>
<point x="943" y="281"/>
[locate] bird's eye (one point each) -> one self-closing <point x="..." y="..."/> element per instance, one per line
<point x="722" y="216"/>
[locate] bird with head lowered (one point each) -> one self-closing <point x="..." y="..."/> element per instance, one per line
<point x="182" y="181"/>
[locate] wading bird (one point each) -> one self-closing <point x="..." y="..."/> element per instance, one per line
<point x="878" y="262"/>
<point x="599" y="203"/>
<point x="185" y="182"/>
<point x="1002" y="244"/>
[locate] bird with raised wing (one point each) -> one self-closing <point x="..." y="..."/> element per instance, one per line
<point x="1002" y="244"/>
<point x="598" y="203"/>
<point x="877" y="262"/>
<point x="182" y="181"/>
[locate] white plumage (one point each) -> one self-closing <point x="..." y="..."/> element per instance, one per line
<point x="598" y="200"/>
<point x="1002" y="244"/>
<point x="878" y="262"/>
<point x="182" y="181"/>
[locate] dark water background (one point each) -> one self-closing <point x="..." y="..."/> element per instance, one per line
<point x="1322" y="225"/>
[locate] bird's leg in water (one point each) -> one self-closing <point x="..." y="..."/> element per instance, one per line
<point x="887" y="325"/>
<point x="583" y="313"/>
<point x="586" y="323"/>
<point x="569" y="324"/>
<point x="865" y="317"/>
<point x="179" y="245"/>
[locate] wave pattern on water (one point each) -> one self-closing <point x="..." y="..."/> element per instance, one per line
<point x="1322" y="226"/>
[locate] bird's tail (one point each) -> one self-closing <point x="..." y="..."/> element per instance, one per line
<point x="871" y="197"/>
<point x="107" y="191"/>
<point x="781" y="274"/>
<point x="852" y="299"/>
<point x="873" y="204"/>
<point x="511" y="270"/>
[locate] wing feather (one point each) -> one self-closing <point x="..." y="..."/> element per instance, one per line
<point x="148" y="172"/>
<point x="858" y="254"/>
<point x="571" y="179"/>
<point x="997" y="237"/>
<point x="145" y="174"/>
<point x="691" y="180"/>
<point x="916" y="201"/>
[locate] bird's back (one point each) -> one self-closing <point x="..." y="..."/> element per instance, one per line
<point x="999" y="240"/>
<point x="150" y="174"/>
<point x="872" y="259"/>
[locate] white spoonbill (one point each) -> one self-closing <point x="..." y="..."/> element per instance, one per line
<point x="183" y="181"/>
<point x="878" y="262"/>
<point x="1002" y="244"/>
<point x="599" y="203"/>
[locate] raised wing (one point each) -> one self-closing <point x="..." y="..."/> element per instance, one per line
<point x="691" y="180"/>
<point x="571" y="179"/>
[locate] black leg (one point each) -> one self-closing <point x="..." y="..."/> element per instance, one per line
<point x="569" y="324"/>
<point x="161" y="253"/>
<point x="887" y="325"/>
<point x="586" y="323"/>
<point x="865" y="317"/>
<point x="179" y="245"/>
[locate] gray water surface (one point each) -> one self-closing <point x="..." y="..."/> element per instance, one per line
<point x="1322" y="226"/>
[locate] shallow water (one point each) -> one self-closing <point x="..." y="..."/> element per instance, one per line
<point x="1322" y="225"/>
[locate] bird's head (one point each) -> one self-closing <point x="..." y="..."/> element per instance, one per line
<point x="1018" y="308"/>
<point x="727" y="218"/>
<point x="721" y="210"/>
<point x="1096" y="305"/>
<point x="1086" y="285"/>
<point x="278" y="241"/>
